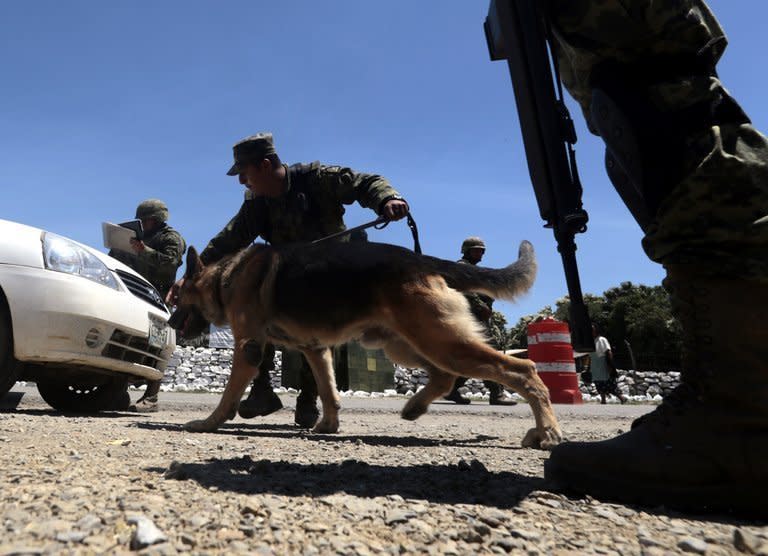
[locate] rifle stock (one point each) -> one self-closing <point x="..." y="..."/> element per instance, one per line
<point x="517" y="31"/>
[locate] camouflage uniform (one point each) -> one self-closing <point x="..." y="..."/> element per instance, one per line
<point x="310" y="207"/>
<point x="158" y="262"/>
<point x="707" y="216"/>
<point x="312" y="211"/>
<point x="481" y="307"/>
<point x="704" y="178"/>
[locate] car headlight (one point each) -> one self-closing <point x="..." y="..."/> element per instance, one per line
<point x="63" y="255"/>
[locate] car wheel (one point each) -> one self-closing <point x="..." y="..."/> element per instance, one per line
<point x="79" y="397"/>
<point x="10" y="368"/>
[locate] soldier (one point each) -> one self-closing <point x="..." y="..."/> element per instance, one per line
<point x="472" y="251"/>
<point x="286" y="204"/>
<point x="702" y="169"/>
<point x="156" y="257"/>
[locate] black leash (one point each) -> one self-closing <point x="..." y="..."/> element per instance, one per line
<point x="380" y="223"/>
<point x="414" y="233"/>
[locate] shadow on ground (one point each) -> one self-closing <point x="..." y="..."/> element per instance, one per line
<point x="10" y="400"/>
<point x="292" y="431"/>
<point x="50" y="412"/>
<point x="465" y="483"/>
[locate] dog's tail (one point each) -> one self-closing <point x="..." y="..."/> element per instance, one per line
<point x="499" y="283"/>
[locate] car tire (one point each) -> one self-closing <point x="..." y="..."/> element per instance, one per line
<point x="10" y="367"/>
<point x="75" y="397"/>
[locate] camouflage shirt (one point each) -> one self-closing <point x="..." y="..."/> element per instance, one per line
<point x="311" y="207"/>
<point x="480" y="305"/>
<point x="163" y="251"/>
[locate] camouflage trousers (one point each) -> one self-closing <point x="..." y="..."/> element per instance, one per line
<point x="706" y="216"/>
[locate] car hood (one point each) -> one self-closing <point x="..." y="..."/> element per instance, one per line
<point x="22" y="245"/>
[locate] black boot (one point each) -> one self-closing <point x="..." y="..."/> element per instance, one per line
<point x="306" y="414"/>
<point x="148" y="402"/>
<point x="706" y="446"/>
<point x="261" y="399"/>
<point x="497" y="396"/>
<point x="455" y="396"/>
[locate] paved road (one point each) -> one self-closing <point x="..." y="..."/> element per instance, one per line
<point x="27" y="395"/>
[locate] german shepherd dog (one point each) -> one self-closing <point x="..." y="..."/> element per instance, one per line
<point x="314" y="296"/>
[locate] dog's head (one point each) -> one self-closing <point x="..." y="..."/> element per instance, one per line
<point x="190" y="300"/>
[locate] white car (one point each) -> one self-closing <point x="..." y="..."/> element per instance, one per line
<point x="79" y="323"/>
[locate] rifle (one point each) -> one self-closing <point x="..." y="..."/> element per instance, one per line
<point x="518" y="31"/>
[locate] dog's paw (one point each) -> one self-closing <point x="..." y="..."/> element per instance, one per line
<point x="199" y="425"/>
<point x="331" y="426"/>
<point x="412" y="411"/>
<point x="546" y="441"/>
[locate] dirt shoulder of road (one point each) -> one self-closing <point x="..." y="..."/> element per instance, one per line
<point x="455" y="481"/>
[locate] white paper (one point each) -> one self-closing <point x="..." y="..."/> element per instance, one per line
<point x="117" y="237"/>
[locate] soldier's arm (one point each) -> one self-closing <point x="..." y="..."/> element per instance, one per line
<point x="369" y="190"/>
<point x="167" y="254"/>
<point x="240" y="232"/>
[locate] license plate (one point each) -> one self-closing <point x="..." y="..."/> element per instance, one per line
<point x="158" y="333"/>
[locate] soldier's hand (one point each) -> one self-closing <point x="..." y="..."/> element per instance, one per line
<point x="172" y="298"/>
<point x="395" y="209"/>
<point x="137" y="245"/>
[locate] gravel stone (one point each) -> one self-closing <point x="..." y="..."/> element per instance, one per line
<point x="691" y="544"/>
<point x="146" y="532"/>
<point x="453" y="482"/>
<point x="744" y="541"/>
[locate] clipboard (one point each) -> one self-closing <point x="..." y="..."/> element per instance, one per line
<point x="119" y="236"/>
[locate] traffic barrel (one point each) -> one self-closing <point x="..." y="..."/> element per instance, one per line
<point x="549" y="346"/>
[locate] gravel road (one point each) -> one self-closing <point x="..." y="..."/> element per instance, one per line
<point x="453" y="482"/>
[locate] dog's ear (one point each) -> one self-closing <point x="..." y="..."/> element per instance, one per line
<point x="194" y="264"/>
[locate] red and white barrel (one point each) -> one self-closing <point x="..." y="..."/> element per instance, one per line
<point x="549" y="346"/>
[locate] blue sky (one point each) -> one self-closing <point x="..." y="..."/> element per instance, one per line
<point x="105" y="104"/>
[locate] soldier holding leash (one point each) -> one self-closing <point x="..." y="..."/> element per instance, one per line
<point x="287" y="204"/>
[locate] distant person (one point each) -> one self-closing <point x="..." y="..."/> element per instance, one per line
<point x="472" y="251"/>
<point x="605" y="376"/>
<point x="157" y="257"/>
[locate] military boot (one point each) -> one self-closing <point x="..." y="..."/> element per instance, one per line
<point x="261" y="400"/>
<point x="705" y="447"/>
<point x="148" y="402"/>
<point x="497" y="395"/>
<point x="306" y="414"/>
<point x="454" y="395"/>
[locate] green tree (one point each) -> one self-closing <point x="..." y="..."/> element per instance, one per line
<point x="498" y="331"/>
<point x="638" y="322"/>
<point x="518" y="334"/>
<point x="595" y="308"/>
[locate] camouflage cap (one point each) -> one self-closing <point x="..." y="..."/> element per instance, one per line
<point x="470" y="243"/>
<point x="251" y="149"/>
<point x="152" y="208"/>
